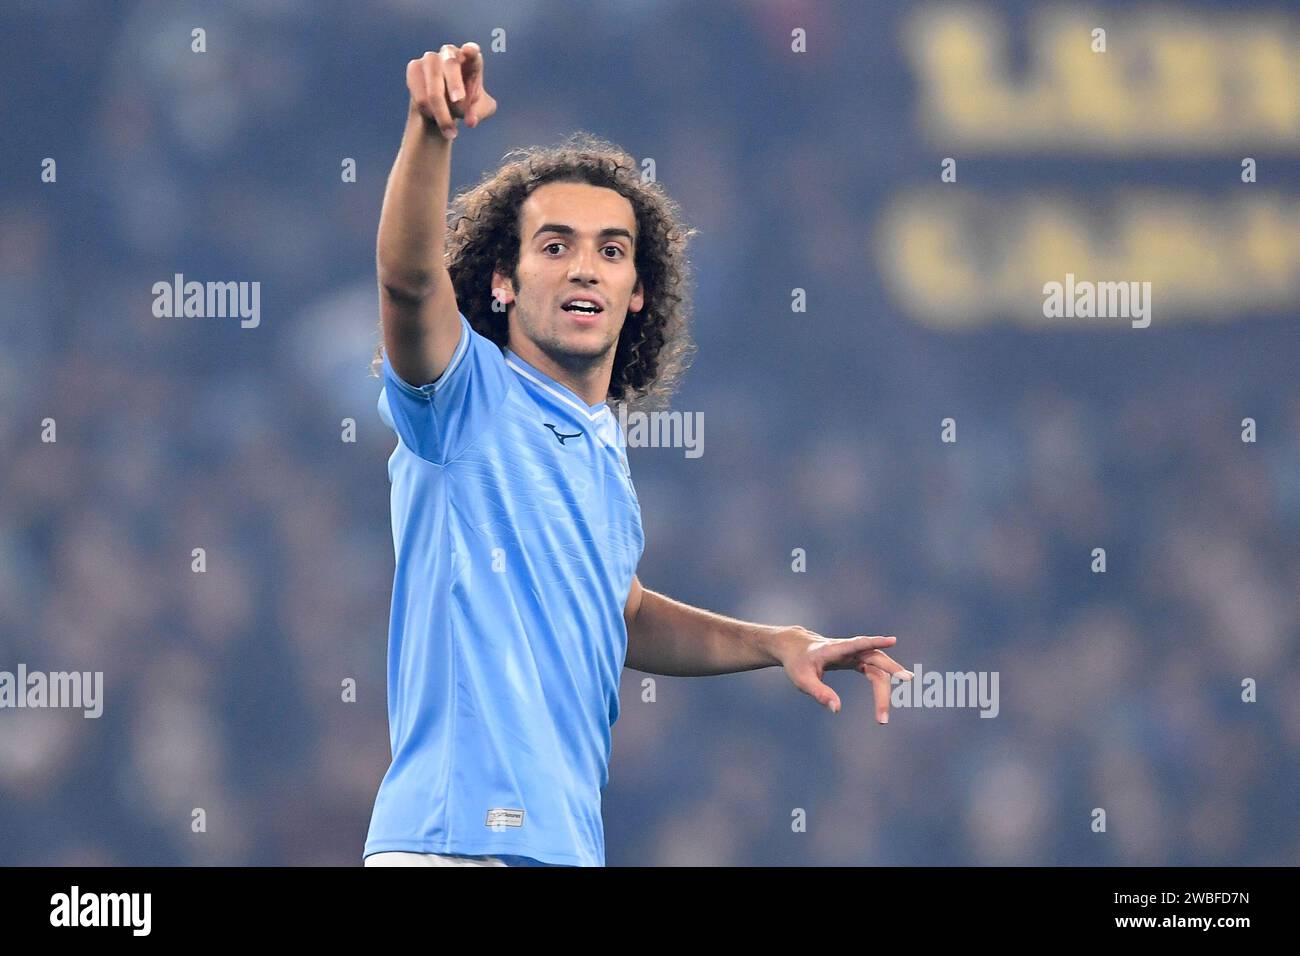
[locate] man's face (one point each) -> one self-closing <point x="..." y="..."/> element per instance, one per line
<point x="575" y="240"/>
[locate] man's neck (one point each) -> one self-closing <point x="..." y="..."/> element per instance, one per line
<point x="590" y="381"/>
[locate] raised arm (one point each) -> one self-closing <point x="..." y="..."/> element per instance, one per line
<point x="417" y="304"/>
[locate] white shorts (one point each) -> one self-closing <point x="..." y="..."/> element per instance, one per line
<point x="401" y="858"/>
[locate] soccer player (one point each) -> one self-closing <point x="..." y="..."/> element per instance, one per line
<point x="557" y="286"/>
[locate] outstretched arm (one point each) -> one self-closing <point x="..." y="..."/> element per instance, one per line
<point x="674" y="639"/>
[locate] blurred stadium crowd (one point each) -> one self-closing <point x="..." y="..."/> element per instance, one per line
<point x="1119" y="691"/>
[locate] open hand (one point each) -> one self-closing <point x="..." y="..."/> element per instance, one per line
<point x="806" y="656"/>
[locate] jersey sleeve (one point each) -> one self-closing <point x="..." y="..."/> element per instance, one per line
<point x="438" y="420"/>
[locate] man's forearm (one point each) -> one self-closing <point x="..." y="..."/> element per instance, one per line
<point x="676" y="640"/>
<point x="412" y="224"/>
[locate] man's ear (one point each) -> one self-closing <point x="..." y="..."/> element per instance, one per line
<point x="637" y="302"/>
<point x="503" y="291"/>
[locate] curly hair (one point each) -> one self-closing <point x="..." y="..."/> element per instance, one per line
<point x="654" y="346"/>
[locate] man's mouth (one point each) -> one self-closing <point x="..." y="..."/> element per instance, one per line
<point x="582" y="307"/>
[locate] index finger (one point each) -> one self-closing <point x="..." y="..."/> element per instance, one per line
<point x="472" y="62"/>
<point x="472" y="71"/>
<point x="860" y="643"/>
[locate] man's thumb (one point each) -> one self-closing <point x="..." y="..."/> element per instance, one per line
<point x="825" y="696"/>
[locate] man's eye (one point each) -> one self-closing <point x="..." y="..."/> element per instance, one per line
<point x="550" y="245"/>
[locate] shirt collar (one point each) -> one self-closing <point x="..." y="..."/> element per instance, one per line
<point x="558" y="391"/>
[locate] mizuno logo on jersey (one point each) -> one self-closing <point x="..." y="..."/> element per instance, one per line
<point x="557" y="434"/>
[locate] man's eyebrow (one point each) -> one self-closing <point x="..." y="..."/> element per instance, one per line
<point x="564" y="230"/>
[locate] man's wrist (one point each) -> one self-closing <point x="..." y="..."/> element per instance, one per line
<point x="420" y="126"/>
<point x="779" y="641"/>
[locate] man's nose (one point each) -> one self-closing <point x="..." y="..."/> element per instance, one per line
<point x="582" y="265"/>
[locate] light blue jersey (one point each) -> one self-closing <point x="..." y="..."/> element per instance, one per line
<point x="516" y="531"/>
